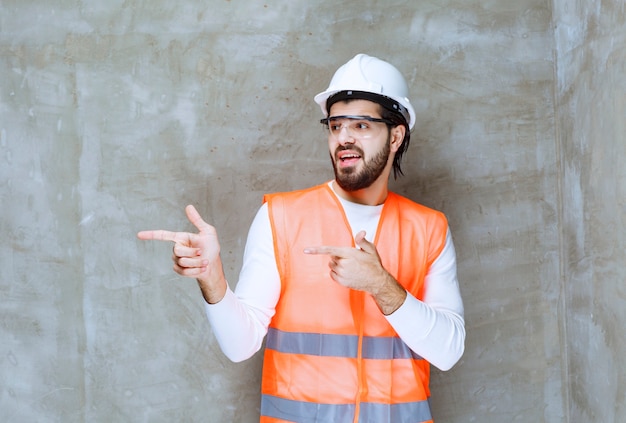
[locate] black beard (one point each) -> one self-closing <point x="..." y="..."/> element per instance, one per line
<point x="350" y="180"/>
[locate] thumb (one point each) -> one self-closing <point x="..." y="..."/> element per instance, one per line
<point x="363" y="243"/>
<point x="195" y="218"/>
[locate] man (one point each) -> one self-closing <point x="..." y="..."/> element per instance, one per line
<point x="354" y="286"/>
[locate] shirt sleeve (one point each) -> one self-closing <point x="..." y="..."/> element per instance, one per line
<point x="240" y="320"/>
<point x="434" y="328"/>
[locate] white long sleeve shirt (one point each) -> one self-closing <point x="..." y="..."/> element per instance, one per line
<point x="433" y="328"/>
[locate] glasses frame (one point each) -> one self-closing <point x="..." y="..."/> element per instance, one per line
<point x="328" y="119"/>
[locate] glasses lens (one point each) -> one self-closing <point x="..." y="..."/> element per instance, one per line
<point x="361" y="127"/>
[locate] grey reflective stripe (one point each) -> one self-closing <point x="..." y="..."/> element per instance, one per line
<point x="309" y="412"/>
<point x="324" y="345"/>
<point x="407" y="412"/>
<point x="327" y="345"/>
<point x="306" y="412"/>
<point x="384" y="348"/>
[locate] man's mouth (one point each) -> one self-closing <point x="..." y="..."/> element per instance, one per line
<point x="348" y="158"/>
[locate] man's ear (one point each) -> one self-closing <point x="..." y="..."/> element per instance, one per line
<point x="397" y="136"/>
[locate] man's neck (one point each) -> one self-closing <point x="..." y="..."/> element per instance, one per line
<point x="373" y="195"/>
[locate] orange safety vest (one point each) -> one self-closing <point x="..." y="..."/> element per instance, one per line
<point x="331" y="356"/>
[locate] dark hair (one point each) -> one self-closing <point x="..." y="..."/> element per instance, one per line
<point x="389" y="110"/>
<point x="397" y="119"/>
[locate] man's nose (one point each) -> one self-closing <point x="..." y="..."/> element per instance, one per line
<point x="344" y="136"/>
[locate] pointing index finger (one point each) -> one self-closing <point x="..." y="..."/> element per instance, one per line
<point x="160" y="235"/>
<point x="332" y="251"/>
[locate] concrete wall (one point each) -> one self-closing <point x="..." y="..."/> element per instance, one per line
<point x="591" y="94"/>
<point x="114" y="115"/>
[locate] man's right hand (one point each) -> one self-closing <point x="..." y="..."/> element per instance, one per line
<point x="196" y="255"/>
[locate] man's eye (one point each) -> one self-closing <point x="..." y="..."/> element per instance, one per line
<point x="334" y="127"/>
<point x="361" y="125"/>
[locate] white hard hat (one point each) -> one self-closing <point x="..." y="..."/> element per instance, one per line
<point x="365" y="74"/>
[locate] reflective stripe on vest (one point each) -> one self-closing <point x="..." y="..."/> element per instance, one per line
<point x="331" y="345"/>
<point x="308" y="412"/>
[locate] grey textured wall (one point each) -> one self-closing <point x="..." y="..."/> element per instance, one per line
<point x="591" y="94"/>
<point x="115" y="115"/>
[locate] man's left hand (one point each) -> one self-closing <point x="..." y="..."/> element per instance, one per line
<point x="361" y="269"/>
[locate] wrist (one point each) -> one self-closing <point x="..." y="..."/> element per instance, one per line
<point x="212" y="293"/>
<point x="390" y="297"/>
